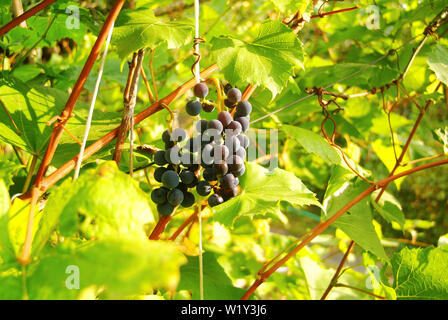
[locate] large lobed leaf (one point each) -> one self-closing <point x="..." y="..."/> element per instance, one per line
<point x="357" y="222"/>
<point x="122" y="267"/>
<point x="421" y="273"/>
<point x="269" y="60"/>
<point x="31" y="109"/>
<point x="138" y="29"/>
<point x="217" y="285"/>
<point x="103" y="202"/>
<point x="438" y="62"/>
<point x="261" y="193"/>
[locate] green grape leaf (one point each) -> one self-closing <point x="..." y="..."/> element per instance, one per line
<point x="13" y="224"/>
<point x="102" y="202"/>
<point x="318" y="278"/>
<point x="420" y="274"/>
<point x="287" y="6"/>
<point x="357" y="222"/>
<point x="269" y="60"/>
<point x="7" y="170"/>
<point x="261" y="192"/>
<point x="441" y="135"/>
<point x="387" y="156"/>
<point x="31" y="108"/>
<point x="122" y="266"/>
<point x="11" y="285"/>
<point x="217" y="284"/>
<point x="5" y="244"/>
<point x="138" y="29"/>
<point x="314" y="143"/>
<point x="61" y="27"/>
<point x="438" y="62"/>
<point x="388" y="207"/>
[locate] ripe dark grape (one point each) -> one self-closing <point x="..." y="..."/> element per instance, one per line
<point x="182" y="187"/>
<point x="193" y="167"/>
<point x="230" y="192"/>
<point x="188" y="159"/>
<point x="192" y="145"/>
<point x="169" y="144"/>
<point x="178" y="135"/>
<point x="236" y="181"/>
<point x="158" y="173"/>
<point x="227" y="181"/>
<point x="215" y="200"/>
<point x="241" y="152"/>
<point x="170" y="179"/>
<point x="232" y="143"/>
<point x="165" y="209"/>
<point x="203" y="188"/>
<point x="216" y="125"/>
<point x="166" y="136"/>
<point x="225" y="118"/>
<point x="244" y="140"/>
<point x="159" y="158"/>
<point x="175" y="197"/>
<point x="240" y="172"/>
<point x="227" y="87"/>
<point x="235" y="163"/>
<point x="244" y="121"/>
<point x="220" y="153"/>
<point x="220" y="169"/>
<point x="201" y="126"/>
<point x="209" y="174"/>
<point x="189" y="200"/>
<point x="172" y="155"/>
<point x="234" y="95"/>
<point x="229" y="104"/>
<point x="193" y="183"/>
<point x="236" y="128"/>
<point x="207" y="154"/>
<point x="244" y="108"/>
<point x="158" y="196"/>
<point x="208" y="107"/>
<point x="200" y="90"/>
<point x="194" y="108"/>
<point x="187" y="176"/>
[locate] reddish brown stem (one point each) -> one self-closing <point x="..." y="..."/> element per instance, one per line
<point x="187" y="222"/>
<point x="405" y="147"/>
<point x="329" y="13"/>
<point x="67" y="111"/>
<point x="397" y="164"/>
<point x="324" y="225"/>
<point x="334" y="280"/>
<point x="160" y="227"/>
<point x="17" y="21"/>
<point x="360" y="290"/>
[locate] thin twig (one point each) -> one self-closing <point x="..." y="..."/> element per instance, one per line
<point x="130" y="99"/>
<point x="17" y="21"/>
<point x="334" y="280"/>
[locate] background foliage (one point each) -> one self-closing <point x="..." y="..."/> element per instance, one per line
<point x="100" y="222"/>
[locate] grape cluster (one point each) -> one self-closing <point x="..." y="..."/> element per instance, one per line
<point x="210" y="161"/>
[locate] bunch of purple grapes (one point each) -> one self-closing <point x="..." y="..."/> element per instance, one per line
<point x="211" y="161"/>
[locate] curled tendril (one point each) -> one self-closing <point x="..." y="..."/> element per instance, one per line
<point x="171" y="120"/>
<point x="196" y="53"/>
